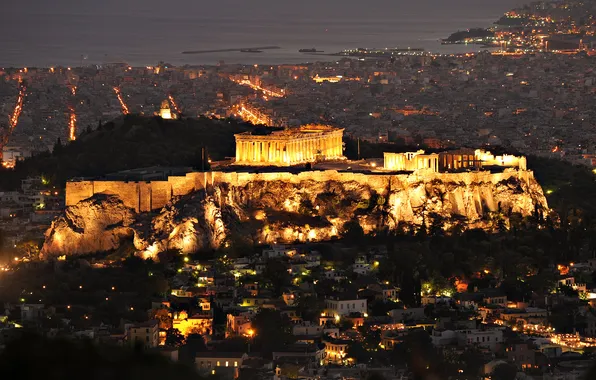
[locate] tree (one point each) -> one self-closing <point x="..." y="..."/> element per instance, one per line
<point x="418" y="353"/>
<point x="346" y="324"/>
<point x="352" y="231"/>
<point x="163" y="317"/>
<point x="194" y="343"/>
<point x="272" y="331"/>
<point x="504" y="371"/>
<point x="157" y="284"/>
<point x="309" y="307"/>
<point x="276" y="276"/>
<point x="357" y="352"/>
<point x="2" y="238"/>
<point x="174" y="338"/>
<point x="30" y="248"/>
<point x="375" y="376"/>
<point x="472" y="360"/>
<point x="200" y="160"/>
<point x="37" y="357"/>
<point x="57" y="147"/>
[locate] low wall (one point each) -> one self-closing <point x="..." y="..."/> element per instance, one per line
<point x="153" y="195"/>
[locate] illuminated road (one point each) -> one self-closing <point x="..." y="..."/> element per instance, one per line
<point x="276" y="94"/>
<point x="16" y="113"/>
<point x="174" y="104"/>
<point x="251" y="116"/>
<point x="72" y="125"/>
<point x="123" y="105"/>
<point x="570" y="341"/>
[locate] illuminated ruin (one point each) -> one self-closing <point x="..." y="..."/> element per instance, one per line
<point x="309" y="143"/>
<point x="165" y="112"/>
<point x="462" y="159"/>
<point x="197" y="210"/>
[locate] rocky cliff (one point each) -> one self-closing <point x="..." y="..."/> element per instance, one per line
<point x="285" y="208"/>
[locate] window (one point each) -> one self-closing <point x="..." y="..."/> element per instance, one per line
<point x="235" y="364"/>
<point x="227" y="363"/>
<point x="218" y="363"/>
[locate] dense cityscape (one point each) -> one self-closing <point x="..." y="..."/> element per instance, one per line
<point x="380" y="213"/>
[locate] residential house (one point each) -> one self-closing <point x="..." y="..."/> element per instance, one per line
<point x="145" y="333"/>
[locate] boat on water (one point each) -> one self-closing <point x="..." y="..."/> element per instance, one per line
<point x="312" y="50"/>
<point x="251" y="51"/>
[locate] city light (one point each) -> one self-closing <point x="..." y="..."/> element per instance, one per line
<point x="18" y="108"/>
<point x="174" y="104"/>
<point x="252" y="115"/>
<point x="121" y="100"/>
<point x="269" y="92"/>
<point x="72" y="125"/>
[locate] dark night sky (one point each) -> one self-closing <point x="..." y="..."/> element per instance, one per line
<point x="262" y="8"/>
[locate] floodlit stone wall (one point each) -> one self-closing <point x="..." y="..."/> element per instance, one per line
<point x="154" y="195"/>
<point x="280" y="207"/>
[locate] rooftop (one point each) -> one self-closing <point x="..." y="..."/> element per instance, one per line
<point x="287" y="133"/>
<point x="217" y="354"/>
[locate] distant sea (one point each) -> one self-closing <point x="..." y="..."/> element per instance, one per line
<point x="47" y="33"/>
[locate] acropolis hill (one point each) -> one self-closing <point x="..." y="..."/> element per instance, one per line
<point x="257" y="200"/>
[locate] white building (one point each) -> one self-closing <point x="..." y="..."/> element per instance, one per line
<point x="490" y="339"/>
<point x="11" y="154"/>
<point x="443" y="337"/>
<point x="334" y="275"/>
<point x="307" y="329"/>
<point x="146" y="333"/>
<point x="345" y="305"/>
<point x="361" y="266"/>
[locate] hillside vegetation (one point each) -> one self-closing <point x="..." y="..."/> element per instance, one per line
<point x="127" y="143"/>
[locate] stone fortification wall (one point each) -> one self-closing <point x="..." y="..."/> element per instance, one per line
<point x="279" y="207"/>
<point x="154" y="195"/>
<point x="141" y="196"/>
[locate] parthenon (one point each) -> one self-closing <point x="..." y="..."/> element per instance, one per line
<point x="287" y="147"/>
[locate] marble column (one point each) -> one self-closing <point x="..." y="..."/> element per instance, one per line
<point x="268" y="151"/>
<point x="287" y="152"/>
<point x="333" y="146"/>
<point x="290" y="152"/>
